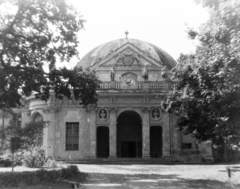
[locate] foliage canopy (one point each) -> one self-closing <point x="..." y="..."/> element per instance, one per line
<point x="34" y="35"/>
<point x="207" y="101"/>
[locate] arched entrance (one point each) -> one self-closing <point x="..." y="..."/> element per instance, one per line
<point x="155" y="141"/>
<point x="129" y="135"/>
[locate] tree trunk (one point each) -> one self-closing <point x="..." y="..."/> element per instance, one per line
<point x="224" y="150"/>
<point x="2" y="131"/>
<point x="12" y="161"/>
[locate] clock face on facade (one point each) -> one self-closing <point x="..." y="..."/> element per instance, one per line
<point x="156" y="114"/>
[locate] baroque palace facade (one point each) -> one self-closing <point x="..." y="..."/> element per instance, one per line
<point x="129" y="120"/>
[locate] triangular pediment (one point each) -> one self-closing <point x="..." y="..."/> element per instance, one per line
<point x="128" y="56"/>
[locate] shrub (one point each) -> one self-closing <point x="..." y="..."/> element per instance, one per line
<point x="16" y="179"/>
<point x="34" y="158"/>
<point x="5" y="162"/>
<point x="70" y="171"/>
<point x="51" y="163"/>
<point x="49" y="176"/>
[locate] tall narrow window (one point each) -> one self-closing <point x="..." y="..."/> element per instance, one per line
<point x="72" y="136"/>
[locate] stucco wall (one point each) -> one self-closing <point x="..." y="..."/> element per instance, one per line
<point x="71" y="115"/>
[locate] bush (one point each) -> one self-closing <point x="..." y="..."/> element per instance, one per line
<point x="16" y="179"/>
<point x="5" y="162"/>
<point x="51" y="163"/>
<point x="70" y="171"/>
<point x="34" y="158"/>
<point x="49" y="176"/>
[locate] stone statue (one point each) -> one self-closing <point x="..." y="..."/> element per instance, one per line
<point x="112" y="74"/>
<point x="145" y="73"/>
<point x="164" y="72"/>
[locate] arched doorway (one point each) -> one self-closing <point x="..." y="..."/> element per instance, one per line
<point x="155" y="141"/>
<point x="129" y="135"/>
<point x="102" y="142"/>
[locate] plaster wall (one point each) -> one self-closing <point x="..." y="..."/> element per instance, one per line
<point x="71" y="115"/>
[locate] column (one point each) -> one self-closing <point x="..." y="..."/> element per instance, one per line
<point x="113" y="133"/>
<point x="145" y="133"/>
<point x="52" y="133"/>
<point x="93" y="128"/>
<point x="53" y="136"/>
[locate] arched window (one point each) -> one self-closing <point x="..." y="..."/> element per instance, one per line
<point x="36" y="119"/>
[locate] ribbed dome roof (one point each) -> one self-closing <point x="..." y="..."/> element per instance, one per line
<point x="104" y="50"/>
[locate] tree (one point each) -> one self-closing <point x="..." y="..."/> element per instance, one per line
<point x="34" y="35"/>
<point x="4" y="114"/>
<point x="24" y="139"/>
<point x="207" y="101"/>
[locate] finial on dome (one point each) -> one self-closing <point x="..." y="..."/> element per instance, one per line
<point x="126" y="33"/>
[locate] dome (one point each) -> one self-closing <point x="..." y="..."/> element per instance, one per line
<point x="103" y="51"/>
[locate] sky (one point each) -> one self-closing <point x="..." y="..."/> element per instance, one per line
<point x="160" y="22"/>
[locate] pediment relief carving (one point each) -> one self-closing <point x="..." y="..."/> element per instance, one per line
<point x="128" y="75"/>
<point x="127" y="58"/>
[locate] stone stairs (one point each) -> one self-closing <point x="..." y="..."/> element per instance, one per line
<point x="121" y="161"/>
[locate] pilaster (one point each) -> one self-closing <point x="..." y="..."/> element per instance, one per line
<point x="166" y="135"/>
<point x="52" y="132"/>
<point x="113" y="133"/>
<point x="92" y="128"/>
<point x="145" y="132"/>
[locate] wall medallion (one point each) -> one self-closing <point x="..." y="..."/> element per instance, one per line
<point x="103" y="114"/>
<point x="156" y="114"/>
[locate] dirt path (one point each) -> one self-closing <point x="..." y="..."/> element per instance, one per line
<point x="159" y="176"/>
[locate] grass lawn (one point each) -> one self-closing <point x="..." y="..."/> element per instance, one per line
<point x="61" y="185"/>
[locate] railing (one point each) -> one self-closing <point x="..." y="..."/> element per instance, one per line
<point x="140" y="85"/>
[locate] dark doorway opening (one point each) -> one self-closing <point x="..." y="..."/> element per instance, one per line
<point x="129" y="135"/>
<point x="155" y="141"/>
<point x="102" y="142"/>
<point x="128" y="149"/>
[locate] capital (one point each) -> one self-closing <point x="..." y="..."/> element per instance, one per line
<point x="146" y="109"/>
<point x="113" y="109"/>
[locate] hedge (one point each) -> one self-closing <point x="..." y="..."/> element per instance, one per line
<point x="26" y="178"/>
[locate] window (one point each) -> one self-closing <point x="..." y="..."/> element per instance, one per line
<point x="186" y="145"/>
<point x="72" y="136"/>
<point x="38" y="118"/>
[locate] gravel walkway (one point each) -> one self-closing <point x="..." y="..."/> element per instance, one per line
<point x="160" y="176"/>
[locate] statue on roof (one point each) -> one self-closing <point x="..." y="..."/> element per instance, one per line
<point x="112" y="74"/>
<point x="145" y="72"/>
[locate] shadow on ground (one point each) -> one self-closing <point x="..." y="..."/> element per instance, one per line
<point x="139" y="181"/>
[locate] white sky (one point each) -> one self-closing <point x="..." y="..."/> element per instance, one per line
<point x="160" y="22"/>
